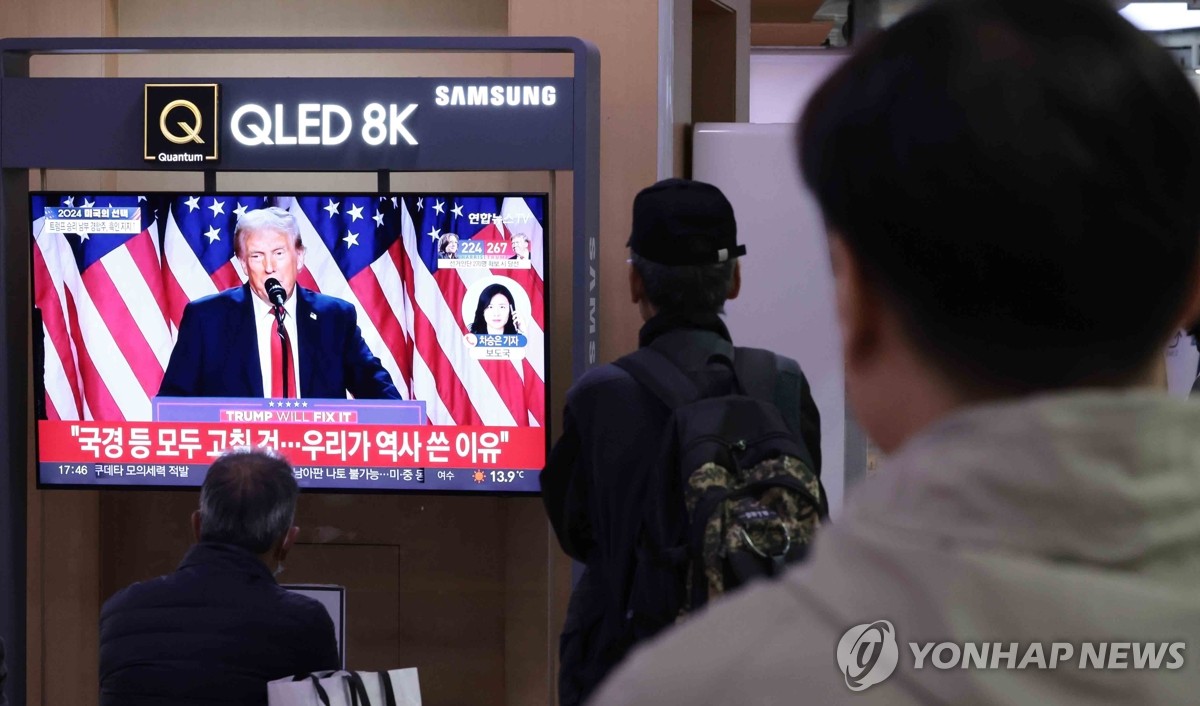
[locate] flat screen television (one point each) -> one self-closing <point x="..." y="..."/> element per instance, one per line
<point x="413" y="353"/>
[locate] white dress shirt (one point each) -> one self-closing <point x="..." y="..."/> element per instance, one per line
<point x="264" y="324"/>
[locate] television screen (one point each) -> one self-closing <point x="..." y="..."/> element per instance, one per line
<point x="333" y="600"/>
<point x="380" y="342"/>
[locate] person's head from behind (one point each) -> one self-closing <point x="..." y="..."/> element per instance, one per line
<point x="684" y="250"/>
<point x="494" y="311"/>
<point x="267" y="242"/>
<point x="1010" y="190"/>
<point x="249" y="500"/>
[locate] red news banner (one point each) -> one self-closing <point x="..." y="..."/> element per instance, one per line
<point x="371" y="445"/>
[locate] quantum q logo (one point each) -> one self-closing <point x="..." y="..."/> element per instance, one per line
<point x="867" y="654"/>
<point x="191" y="132"/>
<point x="181" y="122"/>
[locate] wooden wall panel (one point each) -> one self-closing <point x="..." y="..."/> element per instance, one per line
<point x="450" y="592"/>
<point x="528" y="628"/>
<point x="371" y="575"/>
<point x="425" y="576"/>
<point x="142" y="534"/>
<point x="63" y="566"/>
<point x="714" y="53"/>
<point x="69" y="571"/>
<point x="626" y="32"/>
<point x="627" y="35"/>
<point x="471" y="590"/>
<point x="292" y="18"/>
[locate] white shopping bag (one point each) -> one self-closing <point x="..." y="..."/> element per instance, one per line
<point x="397" y="687"/>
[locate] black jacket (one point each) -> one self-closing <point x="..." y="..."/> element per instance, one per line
<point x="612" y="435"/>
<point x="214" y="632"/>
<point x="3" y="674"/>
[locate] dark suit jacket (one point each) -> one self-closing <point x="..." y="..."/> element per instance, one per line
<point x="216" y="354"/>
<point x="214" y="632"/>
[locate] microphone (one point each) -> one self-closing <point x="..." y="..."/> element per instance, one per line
<point x="277" y="295"/>
<point x="275" y="292"/>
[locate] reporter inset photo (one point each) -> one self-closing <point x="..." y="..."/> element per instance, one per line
<point x="492" y="311"/>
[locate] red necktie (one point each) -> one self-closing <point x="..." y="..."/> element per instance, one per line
<point x="277" y="364"/>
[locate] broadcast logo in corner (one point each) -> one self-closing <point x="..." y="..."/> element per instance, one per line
<point x="180" y="122"/>
<point x="867" y="654"/>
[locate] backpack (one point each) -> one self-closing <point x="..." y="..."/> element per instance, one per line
<point x="737" y="497"/>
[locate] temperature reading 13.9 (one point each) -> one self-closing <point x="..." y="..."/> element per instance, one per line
<point x="506" y="476"/>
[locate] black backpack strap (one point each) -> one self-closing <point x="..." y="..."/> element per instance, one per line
<point x="772" y="378"/>
<point x="788" y="392"/>
<point x="765" y="375"/>
<point x="775" y="378"/>
<point x="659" y="374"/>
<point x="758" y="373"/>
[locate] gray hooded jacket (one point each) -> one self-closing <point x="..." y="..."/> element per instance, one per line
<point x="1071" y="519"/>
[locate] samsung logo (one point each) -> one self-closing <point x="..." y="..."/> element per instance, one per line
<point x="495" y="95"/>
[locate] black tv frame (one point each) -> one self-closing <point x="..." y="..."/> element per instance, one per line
<point x="38" y="381"/>
<point x="16" y="290"/>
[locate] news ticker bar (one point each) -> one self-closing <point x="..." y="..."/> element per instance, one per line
<point x="309" y="410"/>
<point x="325" y="445"/>
<point x="191" y="475"/>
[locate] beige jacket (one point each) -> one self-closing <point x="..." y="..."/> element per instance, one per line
<point x="1069" y="518"/>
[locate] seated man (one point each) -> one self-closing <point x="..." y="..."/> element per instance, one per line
<point x="219" y="628"/>
<point x="1010" y="189"/>
<point x="229" y="343"/>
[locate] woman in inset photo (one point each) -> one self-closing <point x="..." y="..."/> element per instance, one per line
<point x="448" y="247"/>
<point x="496" y="312"/>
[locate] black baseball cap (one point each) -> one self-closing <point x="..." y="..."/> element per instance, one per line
<point x="684" y="222"/>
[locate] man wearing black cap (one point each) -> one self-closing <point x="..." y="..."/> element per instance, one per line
<point x="683" y="268"/>
<point x="985" y="208"/>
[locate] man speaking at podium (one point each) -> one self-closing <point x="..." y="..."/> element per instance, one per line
<point x="230" y="343"/>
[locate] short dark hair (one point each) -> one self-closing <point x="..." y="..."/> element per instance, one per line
<point x="685" y="289"/>
<point x="1021" y="180"/>
<point x="248" y="499"/>
<point x="479" y="325"/>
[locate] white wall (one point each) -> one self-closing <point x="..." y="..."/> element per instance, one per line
<point x="1182" y="360"/>
<point x="782" y="82"/>
<point x="786" y="303"/>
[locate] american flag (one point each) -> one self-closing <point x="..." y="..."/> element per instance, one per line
<point x="111" y="304"/>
